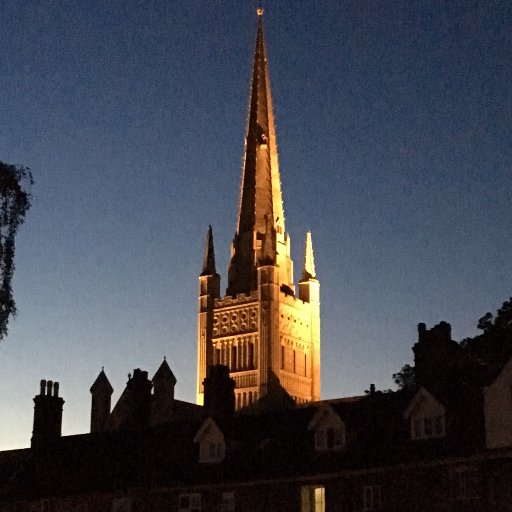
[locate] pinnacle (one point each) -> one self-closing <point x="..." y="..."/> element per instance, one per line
<point x="209" y="255"/>
<point x="102" y="384"/>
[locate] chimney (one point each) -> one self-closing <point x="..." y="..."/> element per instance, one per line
<point x="219" y="392"/>
<point x="47" y="414"/>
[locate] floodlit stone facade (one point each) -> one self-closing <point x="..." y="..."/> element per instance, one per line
<point x="266" y="334"/>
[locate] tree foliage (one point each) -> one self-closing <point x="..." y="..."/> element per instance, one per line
<point x="405" y="378"/>
<point x="14" y="205"/>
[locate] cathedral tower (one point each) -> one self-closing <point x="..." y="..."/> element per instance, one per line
<point x="267" y="335"/>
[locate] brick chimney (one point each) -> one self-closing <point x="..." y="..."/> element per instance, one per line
<point x="219" y="393"/>
<point x="47" y="414"/>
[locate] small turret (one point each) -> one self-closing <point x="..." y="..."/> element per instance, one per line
<point x="209" y="280"/>
<point x="101" y="392"/>
<point x="163" y="394"/>
<point x="308" y="272"/>
<point x="209" y="290"/>
<point x="308" y="285"/>
<point x="47" y="414"/>
<point x="209" y="255"/>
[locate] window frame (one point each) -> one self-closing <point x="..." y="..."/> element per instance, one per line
<point x="428" y="427"/>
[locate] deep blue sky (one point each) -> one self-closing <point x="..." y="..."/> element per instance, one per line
<point x="394" y="129"/>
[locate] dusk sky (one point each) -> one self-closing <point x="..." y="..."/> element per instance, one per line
<point x="394" y="125"/>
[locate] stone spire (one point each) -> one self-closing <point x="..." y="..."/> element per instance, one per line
<point x="260" y="193"/>
<point x="209" y="255"/>
<point x="308" y="272"/>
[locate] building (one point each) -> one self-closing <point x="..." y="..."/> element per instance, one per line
<point x="261" y="440"/>
<point x="266" y="333"/>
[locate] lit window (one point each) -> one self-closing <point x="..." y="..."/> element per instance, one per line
<point x="371" y="497"/>
<point x="467" y="484"/>
<point x="189" y="502"/>
<point x="228" y="502"/>
<point x="312" y="499"/>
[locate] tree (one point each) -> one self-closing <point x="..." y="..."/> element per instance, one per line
<point x="14" y="205"/>
<point x="405" y="378"/>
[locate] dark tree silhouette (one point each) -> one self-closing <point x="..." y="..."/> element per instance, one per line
<point x="405" y="378"/>
<point x="14" y="204"/>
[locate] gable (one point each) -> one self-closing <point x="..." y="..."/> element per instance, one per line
<point x="424" y="404"/>
<point x="325" y="417"/>
<point x="209" y="432"/>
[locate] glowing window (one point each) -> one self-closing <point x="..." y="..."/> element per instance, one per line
<point x="312" y="499"/>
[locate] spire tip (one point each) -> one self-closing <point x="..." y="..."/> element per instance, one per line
<point x="259" y="11"/>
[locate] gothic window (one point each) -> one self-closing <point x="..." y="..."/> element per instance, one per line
<point x="234" y="360"/>
<point x="312" y="498"/>
<point x="189" y="502"/>
<point x="371" y="497"/>
<point x="252" y="364"/>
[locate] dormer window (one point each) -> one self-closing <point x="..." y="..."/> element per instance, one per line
<point x="212" y="447"/>
<point x="426" y="416"/>
<point x="329" y="429"/>
<point x="329" y="438"/>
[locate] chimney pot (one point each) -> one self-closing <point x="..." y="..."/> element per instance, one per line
<point x="42" y="391"/>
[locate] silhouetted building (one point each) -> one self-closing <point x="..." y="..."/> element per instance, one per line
<point x="263" y="441"/>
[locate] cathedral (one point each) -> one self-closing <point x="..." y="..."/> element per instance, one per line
<point x="263" y="329"/>
<point x="260" y="439"/>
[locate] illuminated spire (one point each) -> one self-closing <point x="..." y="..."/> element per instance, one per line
<point x="260" y="195"/>
<point x="209" y="255"/>
<point x="308" y="271"/>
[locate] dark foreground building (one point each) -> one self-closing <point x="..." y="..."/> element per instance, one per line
<point x="443" y="444"/>
<point x="263" y="441"/>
